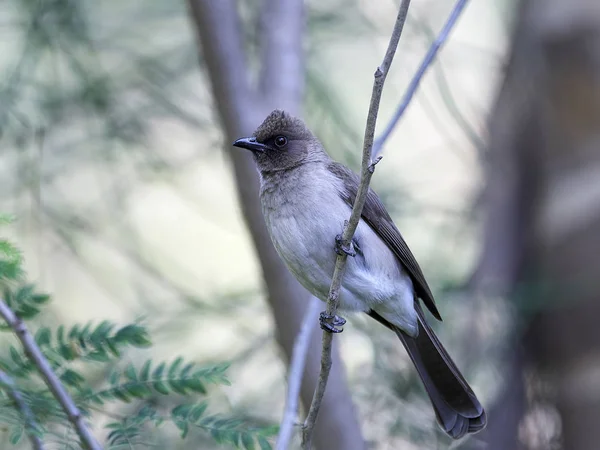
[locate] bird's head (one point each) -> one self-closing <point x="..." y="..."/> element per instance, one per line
<point x="282" y="142"/>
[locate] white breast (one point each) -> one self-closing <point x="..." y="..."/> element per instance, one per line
<point x="304" y="212"/>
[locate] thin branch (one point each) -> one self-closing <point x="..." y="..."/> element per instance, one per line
<point x="31" y="426"/>
<point x="297" y="363"/>
<point x="449" y="98"/>
<point x="36" y="356"/>
<point x="368" y="166"/>
<point x="416" y="80"/>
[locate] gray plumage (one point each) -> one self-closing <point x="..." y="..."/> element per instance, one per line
<point x="306" y="197"/>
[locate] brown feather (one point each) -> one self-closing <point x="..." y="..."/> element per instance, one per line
<point x="375" y="214"/>
<point x="456" y="407"/>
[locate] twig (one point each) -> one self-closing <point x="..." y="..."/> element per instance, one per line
<point x="36" y="356"/>
<point x="340" y="263"/>
<point x="301" y="346"/>
<point x="414" y="83"/>
<point x="31" y="426"/>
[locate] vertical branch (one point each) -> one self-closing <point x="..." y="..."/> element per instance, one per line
<point x="36" y="356"/>
<point x="220" y="31"/>
<point x="368" y="167"/>
<point x="241" y="107"/>
<point x="301" y="347"/>
<point x="282" y="58"/>
<point x="541" y="231"/>
<point x="31" y="427"/>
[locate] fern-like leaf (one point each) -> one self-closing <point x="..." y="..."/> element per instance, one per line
<point x="127" y="433"/>
<point x="224" y="430"/>
<point x="11" y="258"/>
<point x="102" y="343"/>
<point x="163" y="379"/>
<point x="24" y="300"/>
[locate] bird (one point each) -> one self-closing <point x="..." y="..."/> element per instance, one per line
<point x="306" y="197"/>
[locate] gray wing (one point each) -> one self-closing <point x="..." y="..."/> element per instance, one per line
<point x="375" y="214"/>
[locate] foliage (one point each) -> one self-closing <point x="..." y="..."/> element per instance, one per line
<point x="83" y="354"/>
<point x="10" y="256"/>
<point x="222" y="429"/>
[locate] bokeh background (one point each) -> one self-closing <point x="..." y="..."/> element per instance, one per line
<point x="115" y="160"/>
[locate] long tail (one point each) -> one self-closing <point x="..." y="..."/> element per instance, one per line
<point x="456" y="407"/>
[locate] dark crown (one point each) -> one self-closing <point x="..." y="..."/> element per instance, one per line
<point x="280" y="122"/>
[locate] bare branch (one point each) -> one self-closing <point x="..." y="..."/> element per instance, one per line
<point x="31" y="427"/>
<point x="340" y="263"/>
<point x="282" y="59"/>
<point x="36" y="356"/>
<point x="218" y="28"/>
<point x="297" y="363"/>
<point x="416" y="80"/>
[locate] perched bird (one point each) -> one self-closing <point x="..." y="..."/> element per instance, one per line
<point x="306" y="197"/>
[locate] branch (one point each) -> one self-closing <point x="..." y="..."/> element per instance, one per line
<point x="416" y="80"/>
<point x="220" y="31"/>
<point x="241" y="107"/>
<point x="36" y="356"/>
<point x="282" y="58"/>
<point x="368" y="166"/>
<point x="31" y="426"/>
<point x="297" y="363"/>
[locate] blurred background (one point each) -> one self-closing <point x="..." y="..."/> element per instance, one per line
<point x="116" y="120"/>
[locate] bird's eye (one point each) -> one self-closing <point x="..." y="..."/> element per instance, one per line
<point x="280" y="141"/>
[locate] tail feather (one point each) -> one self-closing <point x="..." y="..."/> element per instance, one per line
<point x="456" y="407"/>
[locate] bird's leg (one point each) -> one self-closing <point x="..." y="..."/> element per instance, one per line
<point x="330" y="322"/>
<point x="341" y="249"/>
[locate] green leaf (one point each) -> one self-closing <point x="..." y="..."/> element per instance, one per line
<point x="138" y="390"/>
<point x="157" y="374"/>
<point x="99" y="355"/>
<point x="248" y="441"/>
<point x="130" y="373"/>
<point x="145" y="372"/>
<point x="174" y="367"/>
<point x="184" y="427"/>
<point x="40" y="299"/>
<point x="72" y="378"/>
<point x="24" y="293"/>
<point x="160" y="387"/>
<point x="134" y="335"/>
<point x="60" y="335"/>
<point x="113" y="378"/>
<point x="43" y="337"/>
<point x="195" y="385"/>
<point x="263" y="443"/>
<point x="15" y="356"/>
<point x="121" y="395"/>
<point x="187" y="369"/>
<point x="197" y="412"/>
<point x="16" y="435"/>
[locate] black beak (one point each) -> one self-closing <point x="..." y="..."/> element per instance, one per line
<point x="250" y="144"/>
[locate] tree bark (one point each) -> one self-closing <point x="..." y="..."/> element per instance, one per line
<point x="543" y="198"/>
<point x="241" y="107"/>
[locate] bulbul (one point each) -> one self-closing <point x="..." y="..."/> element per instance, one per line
<point x="306" y="197"/>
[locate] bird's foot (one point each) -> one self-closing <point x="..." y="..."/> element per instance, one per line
<point x="330" y="322"/>
<point x="342" y="249"/>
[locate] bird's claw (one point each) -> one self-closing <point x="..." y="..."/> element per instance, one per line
<point x="330" y="322"/>
<point x="342" y="249"/>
